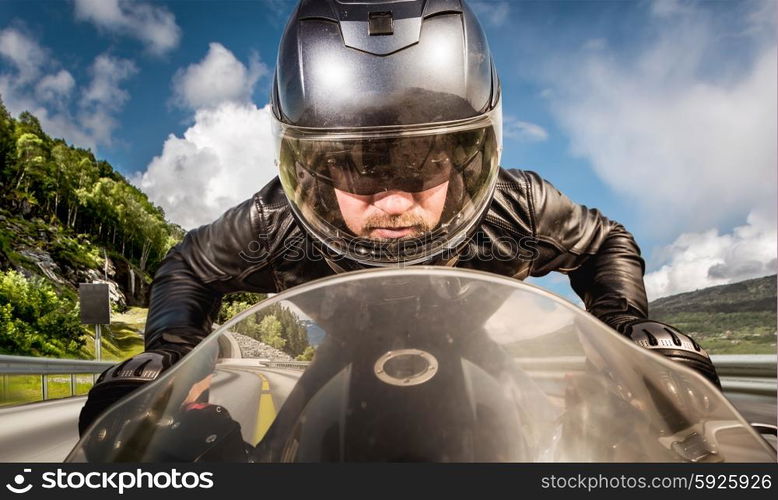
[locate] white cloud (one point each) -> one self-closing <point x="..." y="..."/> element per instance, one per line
<point x="56" y="123"/>
<point x="37" y="83"/>
<point x="523" y="131"/>
<point x="154" y="26"/>
<point x="218" y="78"/>
<point x="682" y="123"/>
<point x="595" y="44"/>
<point x="668" y="8"/>
<point x="107" y="75"/>
<point x="24" y="53"/>
<point x="280" y="9"/>
<point x="104" y="97"/>
<point x="221" y="160"/>
<point x="55" y="88"/>
<point x="226" y="155"/>
<point x="494" y="13"/>
<point x="760" y="20"/>
<point x="689" y="139"/>
<point x="700" y="260"/>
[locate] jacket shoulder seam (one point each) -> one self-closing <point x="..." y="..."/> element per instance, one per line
<point x="263" y="237"/>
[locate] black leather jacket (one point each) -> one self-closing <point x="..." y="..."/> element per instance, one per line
<point x="530" y="229"/>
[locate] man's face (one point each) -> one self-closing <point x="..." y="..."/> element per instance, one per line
<point x="392" y="214"/>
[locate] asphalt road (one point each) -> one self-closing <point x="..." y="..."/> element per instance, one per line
<point x="39" y="432"/>
<point x="240" y="387"/>
<point x="757" y="409"/>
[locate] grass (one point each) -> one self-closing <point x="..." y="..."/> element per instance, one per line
<point x="728" y="333"/>
<point x="122" y="340"/>
<point x="18" y="389"/>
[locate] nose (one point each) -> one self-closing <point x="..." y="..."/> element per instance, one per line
<point x="394" y="202"/>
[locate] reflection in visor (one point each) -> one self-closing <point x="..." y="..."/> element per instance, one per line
<point x="317" y="167"/>
<point x="373" y="165"/>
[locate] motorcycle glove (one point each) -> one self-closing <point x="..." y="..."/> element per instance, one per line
<point x="668" y="341"/>
<point x="120" y="380"/>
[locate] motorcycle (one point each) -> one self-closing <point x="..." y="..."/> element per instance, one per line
<point x="424" y="364"/>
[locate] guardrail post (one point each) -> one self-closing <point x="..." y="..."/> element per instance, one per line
<point x="44" y="386"/>
<point x="72" y="384"/>
<point x="5" y="387"/>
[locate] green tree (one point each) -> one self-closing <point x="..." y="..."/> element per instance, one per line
<point x="270" y="332"/>
<point x="292" y="330"/>
<point x="7" y="142"/>
<point x="30" y="157"/>
<point x="34" y="320"/>
<point x="307" y="355"/>
<point x="47" y="178"/>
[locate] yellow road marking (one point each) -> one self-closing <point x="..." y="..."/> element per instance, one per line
<point x="266" y="412"/>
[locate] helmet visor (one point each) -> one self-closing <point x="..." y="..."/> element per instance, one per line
<point x="443" y="176"/>
<point x="374" y="165"/>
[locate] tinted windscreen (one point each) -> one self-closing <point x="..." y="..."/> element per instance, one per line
<point x="423" y="364"/>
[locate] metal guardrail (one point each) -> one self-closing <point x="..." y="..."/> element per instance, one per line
<point x="739" y="373"/>
<point x="746" y="365"/>
<point x="294" y="365"/>
<point x="748" y="373"/>
<point x="27" y="365"/>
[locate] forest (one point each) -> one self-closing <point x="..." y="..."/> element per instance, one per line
<point x="59" y="200"/>
<point x="47" y="178"/>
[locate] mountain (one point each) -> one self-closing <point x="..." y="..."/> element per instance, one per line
<point x="67" y="217"/>
<point x="739" y="318"/>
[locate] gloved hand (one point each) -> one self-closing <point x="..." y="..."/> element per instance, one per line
<point x="668" y="341"/>
<point x="118" y="381"/>
<point x="200" y="432"/>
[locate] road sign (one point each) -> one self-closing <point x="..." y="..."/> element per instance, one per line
<point x="95" y="310"/>
<point x="95" y="306"/>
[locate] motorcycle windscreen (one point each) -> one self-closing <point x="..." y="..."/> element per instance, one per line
<point x="422" y="364"/>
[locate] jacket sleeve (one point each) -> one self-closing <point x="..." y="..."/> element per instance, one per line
<point x="225" y="256"/>
<point x="599" y="255"/>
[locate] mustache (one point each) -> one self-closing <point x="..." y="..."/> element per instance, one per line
<point x="394" y="222"/>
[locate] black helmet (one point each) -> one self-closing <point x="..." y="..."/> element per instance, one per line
<point x="387" y="122"/>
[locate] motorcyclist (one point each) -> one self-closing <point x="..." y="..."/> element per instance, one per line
<point x="387" y="119"/>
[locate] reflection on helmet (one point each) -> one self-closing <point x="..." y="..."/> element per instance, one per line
<point x="421" y="116"/>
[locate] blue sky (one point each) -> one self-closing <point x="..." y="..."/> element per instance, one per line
<point x="662" y="114"/>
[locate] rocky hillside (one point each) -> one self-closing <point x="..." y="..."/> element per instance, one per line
<point x="65" y="258"/>
<point x="739" y="318"/>
<point x="252" y="348"/>
<point x="67" y="217"/>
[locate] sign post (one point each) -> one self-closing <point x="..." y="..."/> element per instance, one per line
<point x="95" y="309"/>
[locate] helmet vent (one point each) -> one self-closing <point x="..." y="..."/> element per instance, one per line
<point x="380" y="23"/>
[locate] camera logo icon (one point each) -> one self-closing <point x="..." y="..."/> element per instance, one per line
<point x="19" y="480"/>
